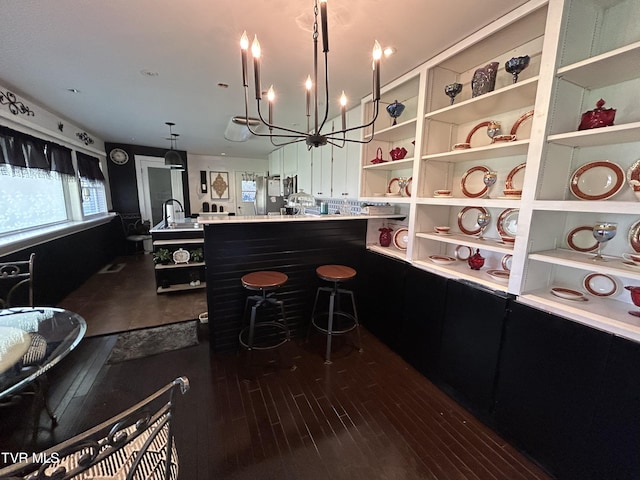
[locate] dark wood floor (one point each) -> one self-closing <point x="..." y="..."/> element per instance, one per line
<point x="368" y="415"/>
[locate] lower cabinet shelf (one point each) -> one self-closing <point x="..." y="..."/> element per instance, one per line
<point x="181" y="287"/>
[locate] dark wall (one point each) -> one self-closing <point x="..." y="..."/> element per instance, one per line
<point x="63" y="264"/>
<point x="122" y="180"/>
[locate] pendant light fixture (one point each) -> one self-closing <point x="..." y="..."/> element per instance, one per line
<point x="173" y="158"/>
<point x="313" y="136"/>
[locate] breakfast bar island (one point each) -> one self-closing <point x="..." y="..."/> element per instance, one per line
<point x="295" y="245"/>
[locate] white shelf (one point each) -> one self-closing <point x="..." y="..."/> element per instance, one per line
<point x="588" y="206"/>
<point x="389" y="251"/>
<point x="609" y="68"/>
<point x="391" y="165"/>
<point x="179" y="241"/>
<point x="160" y="266"/>
<point x="459" y="270"/>
<point x="179" y="287"/>
<point x="469" y="202"/>
<point x="584" y="261"/>
<point x="487" y="106"/>
<point x="402" y="130"/>
<point x="601" y="313"/>
<point x="490" y="244"/>
<point x="496" y="150"/>
<point x="627" y="132"/>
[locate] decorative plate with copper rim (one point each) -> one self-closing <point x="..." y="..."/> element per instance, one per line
<point x="401" y="238"/>
<point x="467" y="143"/>
<point x="472" y="183"/>
<point x="634" y="236"/>
<point x="394" y="189"/>
<point x="568" y="294"/>
<point x="519" y="121"/>
<point x="463" y="252"/>
<point x="501" y="276"/>
<point x="510" y="183"/>
<point x="597" y="180"/>
<point x="508" y="223"/>
<point x="506" y="262"/>
<point x="468" y="220"/>
<point x="600" y="285"/>
<point x="581" y="239"/>
<point x="441" y="259"/>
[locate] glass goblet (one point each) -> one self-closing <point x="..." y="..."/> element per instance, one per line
<point x="493" y="129"/>
<point x="489" y="180"/>
<point x="603" y="232"/>
<point x="516" y="65"/>
<point x="483" y="220"/>
<point x="452" y="90"/>
<point x="402" y="183"/>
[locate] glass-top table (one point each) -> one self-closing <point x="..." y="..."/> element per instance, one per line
<point x="32" y="340"/>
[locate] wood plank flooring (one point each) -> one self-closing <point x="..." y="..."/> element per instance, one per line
<point x="368" y="415"/>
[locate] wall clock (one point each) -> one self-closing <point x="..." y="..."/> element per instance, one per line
<point x="118" y="156"/>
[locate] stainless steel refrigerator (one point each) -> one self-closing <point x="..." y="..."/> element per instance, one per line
<point x="268" y="197"/>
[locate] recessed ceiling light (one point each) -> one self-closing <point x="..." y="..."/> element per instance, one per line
<point x="222" y="154"/>
<point x="388" y="51"/>
<point x="149" y="73"/>
<point x="73" y="90"/>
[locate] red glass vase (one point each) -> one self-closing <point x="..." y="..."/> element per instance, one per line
<point x="385" y="236"/>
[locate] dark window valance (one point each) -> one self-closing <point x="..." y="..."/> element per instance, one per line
<point x="11" y="151"/>
<point x="89" y="167"/>
<point x="60" y="159"/>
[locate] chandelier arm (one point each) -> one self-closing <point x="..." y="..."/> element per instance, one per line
<point x="297" y="140"/>
<point x="297" y="133"/>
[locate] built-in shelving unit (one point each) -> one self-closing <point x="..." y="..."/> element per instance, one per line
<point x="179" y="276"/>
<point x="580" y="51"/>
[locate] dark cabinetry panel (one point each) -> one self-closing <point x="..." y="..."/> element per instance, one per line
<point x="550" y="374"/>
<point x="423" y="314"/>
<point x="614" y="439"/>
<point x="384" y="287"/>
<point x="471" y="335"/>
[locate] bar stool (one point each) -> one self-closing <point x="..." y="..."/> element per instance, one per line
<point x="266" y="283"/>
<point x="338" y="321"/>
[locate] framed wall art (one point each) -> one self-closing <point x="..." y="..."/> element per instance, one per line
<point x="219" y="185"/>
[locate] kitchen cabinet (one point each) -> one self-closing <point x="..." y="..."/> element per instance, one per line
<point x="346" y="162"/>
<point x="321" y="171"/>
<point x="304" y="160"/>
<point x="470" y="345"/>
<point x="176" y="274"/>
<point x="549" y="385"/>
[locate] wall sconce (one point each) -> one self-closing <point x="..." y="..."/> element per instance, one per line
<point x="203" y="181"/>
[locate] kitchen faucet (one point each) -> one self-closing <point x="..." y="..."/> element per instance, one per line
<point x="164" y="210"/>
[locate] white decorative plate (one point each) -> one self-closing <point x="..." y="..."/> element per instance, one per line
<point x="581" y="239"/>
<point x="634" y="236"/>
<point x="401" y="238"/>
<point x="515" y="178"/>
<point x="597" y="180"/>
<point x="501" y="276"/>
<point x="463" y="252"/>
<point x="468" y="220"/>
<point x="506" y="262"/>
<point x="508" y="223"/>
<point x="600" y="285"/>
<point x="472" y="182"/>
<point x="441" y="259"/>
<point x="568" y="294"/>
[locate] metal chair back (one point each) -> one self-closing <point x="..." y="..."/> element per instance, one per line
<point x="16" y="276"/>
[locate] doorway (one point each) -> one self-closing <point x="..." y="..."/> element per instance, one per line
<point x="156" y="184"/>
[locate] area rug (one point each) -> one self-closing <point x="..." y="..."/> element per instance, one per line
<point x="154" y="340"/>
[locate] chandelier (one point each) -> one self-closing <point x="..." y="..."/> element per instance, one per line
<point x="313" y="136"/>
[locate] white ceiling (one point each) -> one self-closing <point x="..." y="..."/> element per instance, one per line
<point x="101" y="47"/>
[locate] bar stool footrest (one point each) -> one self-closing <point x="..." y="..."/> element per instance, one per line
<point x="279" y="329"/>
<point x="336" y="315"/>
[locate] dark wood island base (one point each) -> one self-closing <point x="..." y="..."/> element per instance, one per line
<point x="295" y="248"/>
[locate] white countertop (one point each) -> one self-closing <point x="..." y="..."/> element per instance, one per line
<point x="289" y="218"/>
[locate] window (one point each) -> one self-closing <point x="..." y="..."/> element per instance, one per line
<point x="248" y="190"/>
<point x="94" y="199"/>
<point x="39" y="186"/>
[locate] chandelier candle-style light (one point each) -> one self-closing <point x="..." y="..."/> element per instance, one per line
<point x="313" y="136"/>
